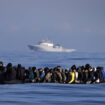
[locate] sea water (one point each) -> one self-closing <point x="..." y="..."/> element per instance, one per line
<point x="52" y="93"/>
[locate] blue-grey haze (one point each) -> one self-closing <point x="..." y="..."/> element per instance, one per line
<point x="78" y="24"/>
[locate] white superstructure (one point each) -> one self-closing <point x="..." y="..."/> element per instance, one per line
<point x="49" y="47"/>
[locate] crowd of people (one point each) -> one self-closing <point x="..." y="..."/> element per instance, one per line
<point x="78" y="75"/>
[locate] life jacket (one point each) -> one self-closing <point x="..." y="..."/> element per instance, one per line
<point x="72" y="77"/>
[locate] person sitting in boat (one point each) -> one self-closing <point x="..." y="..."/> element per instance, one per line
<point x="2" y="73"/>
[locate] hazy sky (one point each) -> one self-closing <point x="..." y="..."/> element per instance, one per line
<point x="78" y="24"/>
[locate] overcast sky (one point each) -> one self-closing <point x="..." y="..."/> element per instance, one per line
<point x="78" y="24"/>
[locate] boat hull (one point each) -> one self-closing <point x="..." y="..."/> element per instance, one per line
<point x="49" y="49"/>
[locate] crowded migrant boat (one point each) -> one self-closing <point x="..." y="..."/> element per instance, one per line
<point x="85" y="74"/>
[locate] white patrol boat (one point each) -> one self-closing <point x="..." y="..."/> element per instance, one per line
<point x="48" y="46"/>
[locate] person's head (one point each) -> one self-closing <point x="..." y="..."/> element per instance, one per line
<point x="60" y="70"/>
<point x="30" y="68"/>
<point x="19" y="66"/>
<point x="99" y="68"/>
<point x="87" y="66"/>
<point x="2" y="69"/>
<point x="1" y="63"/>
<point x="55" y="69"/>
<point x="43" y="71"/>
<point x="66" y="71"/>
<point x="90" y="68"/>
<point x="9" y="65"/>
<point x="33" y="68"/>
<point x="82" y="68"/>
<point x="79" y="69"/>
<point x="58" y="67"/>
<point x="40" y="70"/>
<point x="94" y="69"/>
<point x="73" y="68"/>
<point x="50" y="70"/>
<point x="46" y="69"/>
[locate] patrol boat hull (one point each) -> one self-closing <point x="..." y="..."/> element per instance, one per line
<point x="49" y="49"/>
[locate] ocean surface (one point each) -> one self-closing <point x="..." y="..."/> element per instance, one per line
<point x="52" y="93"/>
